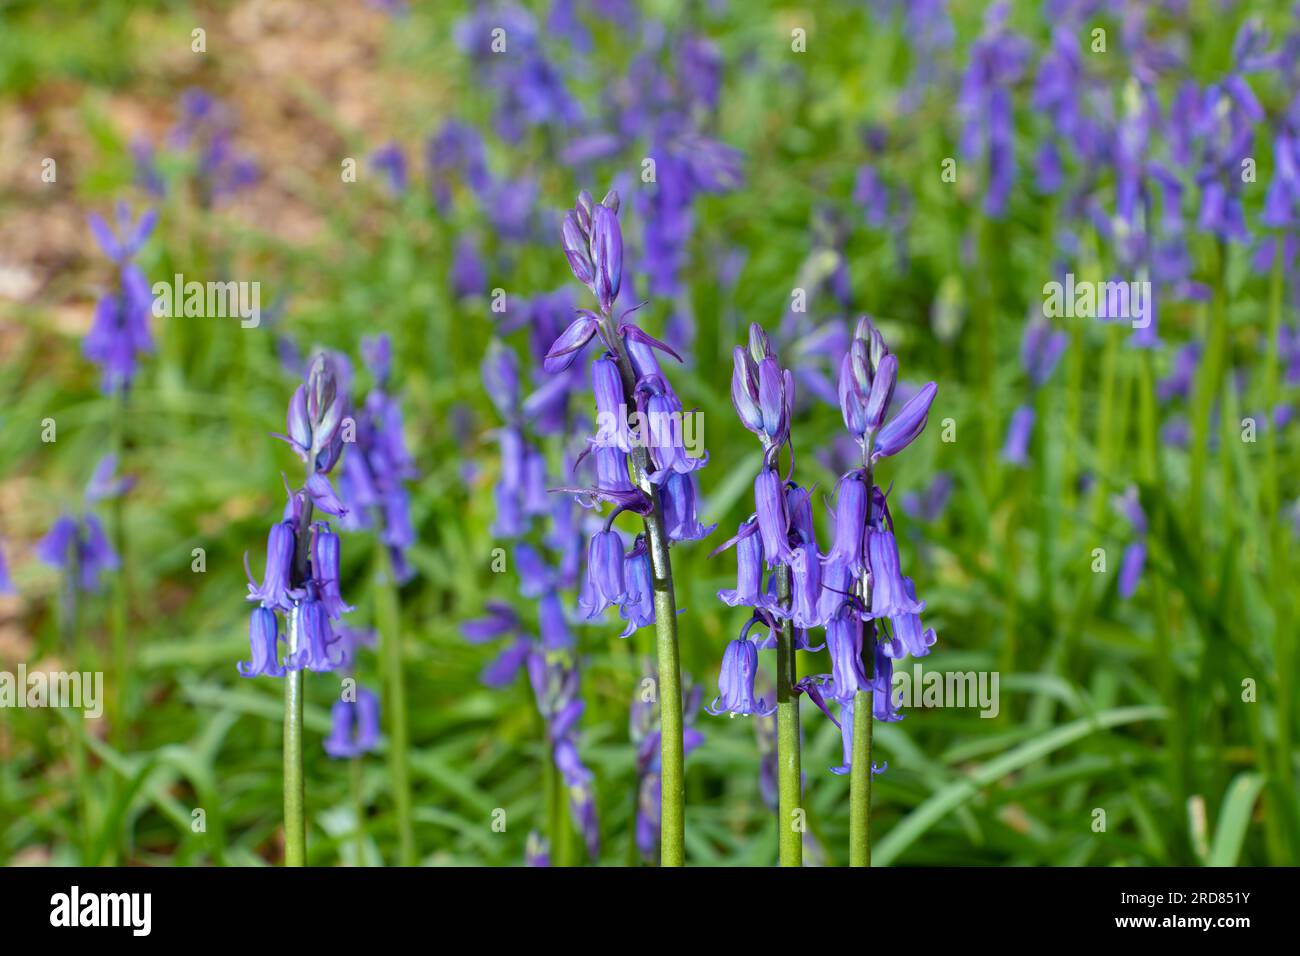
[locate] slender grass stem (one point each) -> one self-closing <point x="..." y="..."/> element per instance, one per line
<point x="388" y="622"/>
<point x="358" y="811"/>
<point x="789" y="773"/>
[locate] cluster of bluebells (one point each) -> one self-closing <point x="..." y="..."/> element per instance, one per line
<point x="77" y="544"/>
<point x="1040" y="351"/>
<point x="378" y="465"/>
<point x="301" y="578"/>
<point x="354" y="717"/>
<point x="856" y="591"/>
<point x="119" y="334"/>
<point x="1134" y="558"/>
<point x="545" y="569"/>
<point x="593" y="244"/>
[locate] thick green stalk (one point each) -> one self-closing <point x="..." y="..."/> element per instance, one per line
<point x="295" y="785"/>
<point x="388" y="622"/>
<point x="860" y="768"/>
<point x="860" y="782"/>
<point x="295" y="791"/>
<point x="672" y="808"/>
<point x="672" y="805"/>
<point x="789" y="774"/>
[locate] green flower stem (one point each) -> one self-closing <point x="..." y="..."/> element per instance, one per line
<point x="358" y="811"/>
<point x="1283" y="639"/>
<point x="295" y="787"/>
<point x="120" y="587"/>
<point x="295" y="793"/>
<point x="860" y="782"/>
<point x="389" y="625"/>
<point x="789" y="774"/>
<point x="860" y="769"/>
<point x="672" y="806"/>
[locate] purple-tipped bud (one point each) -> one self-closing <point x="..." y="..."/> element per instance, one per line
<point x="570" y="343"/>
<point x="323" y="495"/>
<point x="744" y="391"/>
<point x="760" y="346"/>
<point x="583" y="210"/>
<point x="860" y="356"/>
<point x="882" y="390"/>
<point x="852" y="405"/>
<point x="606" y="256"/>
<point x="264" y="638"/>
<point x="772" y="400"/>
<point x="576" y="246"/>
<point x="299" y="424"/>
<point x="773" y="517"/>
<point x="904" y="427"/>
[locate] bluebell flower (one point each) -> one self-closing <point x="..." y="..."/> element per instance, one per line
<point x="315" y="636"/>
<point x="679" y="497"/>
<point x="773" y="517"/>
<point x="889" y="597"/>
<point x="1015" y="450"/>
<point x="639" y="607"/>
<point x="80" y="547"/>
<point x="605" y="571"/>
<point x="736" y="679"/>
<point x="844" y="639"/>
<point x="354" y="726"/>
<point x="390" y="161"/>
<point x="264" y="637"/>
<point x="749" y="568"/>
<point x="274" y="591"/>
<point x="325" y="570"/>
<point x="120" y="333"/>
<point x="850" y="524"/>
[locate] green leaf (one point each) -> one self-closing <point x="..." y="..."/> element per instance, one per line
<point x="1234" y="818"/>
<point x="953" y="796"/>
